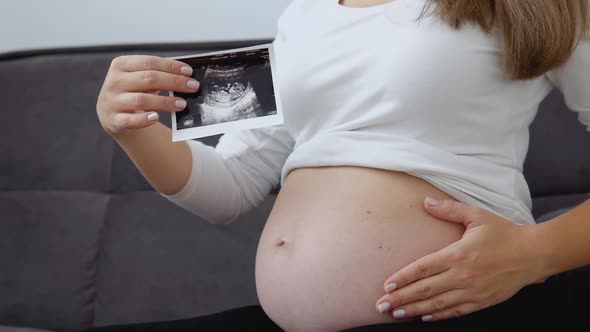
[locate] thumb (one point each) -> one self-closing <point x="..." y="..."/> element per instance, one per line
<point x="454" y="211"/>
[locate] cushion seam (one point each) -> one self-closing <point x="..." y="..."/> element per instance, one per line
<point x="99" y="251"/>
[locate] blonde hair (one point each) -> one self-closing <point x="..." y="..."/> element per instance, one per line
<point x="537" y="35"/>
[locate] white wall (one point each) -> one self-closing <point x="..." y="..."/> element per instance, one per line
<point x="26" y="24"/>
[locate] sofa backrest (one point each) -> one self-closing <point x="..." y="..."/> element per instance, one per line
<point x="558" y="161"/>
<point x="557" y="166"/>
<point x="49" y="109"/>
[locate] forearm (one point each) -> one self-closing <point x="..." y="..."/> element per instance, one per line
<point x="165" y="164"/>
<point x="565" y="240"/>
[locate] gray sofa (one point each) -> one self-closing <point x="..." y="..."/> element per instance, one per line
<point x="84" y="239"/>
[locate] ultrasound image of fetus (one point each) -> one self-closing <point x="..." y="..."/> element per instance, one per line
<point x="226" y="96"/>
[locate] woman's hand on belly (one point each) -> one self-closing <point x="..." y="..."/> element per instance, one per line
<point x="487" y="266"/>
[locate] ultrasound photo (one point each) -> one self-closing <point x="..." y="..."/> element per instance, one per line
<point x="237" y="91"/>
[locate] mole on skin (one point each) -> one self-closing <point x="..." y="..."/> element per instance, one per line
<point x="280" y="243"/>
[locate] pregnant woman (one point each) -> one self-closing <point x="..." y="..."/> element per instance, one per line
<point x="403" y="204"/>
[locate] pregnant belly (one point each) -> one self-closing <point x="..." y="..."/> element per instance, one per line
<point x="333" y="237"/>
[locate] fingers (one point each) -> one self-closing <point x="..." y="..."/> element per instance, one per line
<point x="148" y="102"/>
<point x="137" y="110"/>
<point x="422" y="268"/>
<point x="155" y="81"/>
<point x="444" y="305"/>
<point x="452" y="211"/>
<point x="122" y="122"/>
<point x="424" y="289"/>
<point x="428" y="306"/>
<point x="151" y="63"/>
<point x="451" y="312"/>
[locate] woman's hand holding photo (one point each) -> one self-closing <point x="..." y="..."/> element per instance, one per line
<point x="129" y="97"/>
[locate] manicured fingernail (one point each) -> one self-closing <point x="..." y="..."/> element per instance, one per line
<point x="193" y="84"/>
<point x="180" y="103"/>
<point x="152" y="116"/>
<point x="432" y="202"/>
<point x="401" y="313"/>
<point x="390" y="287"/>
<point x="186" y="70"/>
<point x="383" y="307"/>
<point x="427" y="318"/>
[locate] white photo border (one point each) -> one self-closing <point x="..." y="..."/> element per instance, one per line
<point x="238" y="125"/>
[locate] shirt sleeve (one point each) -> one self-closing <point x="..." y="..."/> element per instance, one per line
<point x="573" y="80"/>
<point x="235" y="176"/>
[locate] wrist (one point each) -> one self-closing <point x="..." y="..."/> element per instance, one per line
<point x="562" y="243"/>
<point x="536" y="253"/>
<point x="545" y="252"/>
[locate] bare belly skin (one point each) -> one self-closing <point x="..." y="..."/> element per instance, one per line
<point x="333" y="237"/>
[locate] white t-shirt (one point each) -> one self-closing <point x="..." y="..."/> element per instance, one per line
<point x="373" y="87"/>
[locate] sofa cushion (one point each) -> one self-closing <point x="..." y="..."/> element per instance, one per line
<point x="159" y="262"/>
<point x="48" y="247"/>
